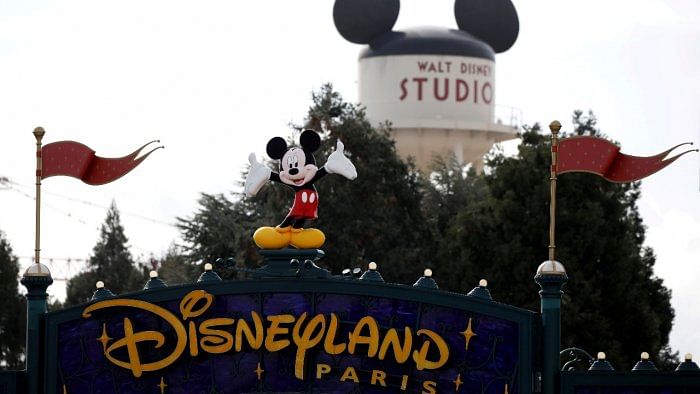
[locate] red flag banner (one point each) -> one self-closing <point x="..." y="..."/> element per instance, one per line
<point x="70" y="158"/>
<point x="602" y="157"/>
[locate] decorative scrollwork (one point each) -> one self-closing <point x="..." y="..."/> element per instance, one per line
<point x="577" y="357"/>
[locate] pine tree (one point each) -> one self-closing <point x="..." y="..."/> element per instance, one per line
<point x="12" y="310"/>
<point x="376" y="217"/>
<point x="110" y="262"/>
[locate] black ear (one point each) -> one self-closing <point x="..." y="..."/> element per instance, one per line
<point x="276" y="148"/>
<point x="309" y="140"/>
<point x="493" y="21"/>
<point x="360" y="21"/>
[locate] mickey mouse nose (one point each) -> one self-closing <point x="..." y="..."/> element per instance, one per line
<point x="293" y="171"/>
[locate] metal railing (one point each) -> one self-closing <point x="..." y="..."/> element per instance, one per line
<point x="509" y="116"/>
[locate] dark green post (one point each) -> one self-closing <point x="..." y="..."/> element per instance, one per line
<point x="37" y="278"/>
<point x="551" y="277"/>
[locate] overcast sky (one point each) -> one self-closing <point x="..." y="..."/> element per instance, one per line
<point x="214" y="80"/>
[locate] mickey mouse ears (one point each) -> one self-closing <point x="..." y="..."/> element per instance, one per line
<point x="361" y="21"/>
<point x="494" y="22"/>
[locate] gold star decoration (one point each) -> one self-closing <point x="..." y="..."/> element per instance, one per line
<point x="458" y="382"/>
<point x="162" y="385"/>
<point x="258" y="371"/>
<point x="468" y="334"/>
<point x="104" y="338"/>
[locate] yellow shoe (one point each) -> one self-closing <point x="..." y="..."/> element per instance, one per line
<point x="308" y="238"/>
<point x="270" y="238"/>
<point x="283" y="229"/>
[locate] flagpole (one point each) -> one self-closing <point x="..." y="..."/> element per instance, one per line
<point x="38" y="134"/>
<point x="554" y="128"/>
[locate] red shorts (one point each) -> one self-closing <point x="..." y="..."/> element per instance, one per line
<point x="305" y="205"/>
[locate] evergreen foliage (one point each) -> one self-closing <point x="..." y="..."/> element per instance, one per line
<point x="12" y="310"/>
<point x="110" y="262"/>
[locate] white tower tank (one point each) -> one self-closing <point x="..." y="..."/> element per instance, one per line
<point x="435" y="85"/>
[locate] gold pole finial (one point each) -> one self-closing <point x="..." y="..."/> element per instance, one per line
<point x="554" y="128"/>
<point x="39" y="133"/>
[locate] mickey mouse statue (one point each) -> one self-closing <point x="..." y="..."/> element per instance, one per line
<point x="298" y="170"/>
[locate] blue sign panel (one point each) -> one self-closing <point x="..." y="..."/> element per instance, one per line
<point x="350" y="340"/>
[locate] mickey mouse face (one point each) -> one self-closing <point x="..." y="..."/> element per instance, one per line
<point x="294" y="170"/>
<point x="297" y="165"/>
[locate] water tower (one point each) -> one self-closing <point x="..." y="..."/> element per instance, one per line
<point x="435" y="85"/>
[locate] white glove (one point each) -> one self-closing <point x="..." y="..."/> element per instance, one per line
<point x="258" y="175"/>
<point x="339" y="164"/>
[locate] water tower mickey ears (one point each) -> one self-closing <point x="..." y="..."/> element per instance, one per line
<point x="493" y="21"/>
<point x="361" y="21"/>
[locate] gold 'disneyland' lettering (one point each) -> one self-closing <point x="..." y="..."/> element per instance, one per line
<point x="421" y="356"/>
<point x="328" y="345"/>
<point x="190" y="301"/>
<point x="220" y="335"/>
<point x="216" y="341"/>
<point x="192" y="335"/>
<point x="131" y="339"/>
<point x="190" y="307"/>
<point x="242" y="328"/>
<point x="401" y="351"/>
<point x="356" y="337"/>
<point x="271" y="344"/>
<point x="306" y="340"/>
